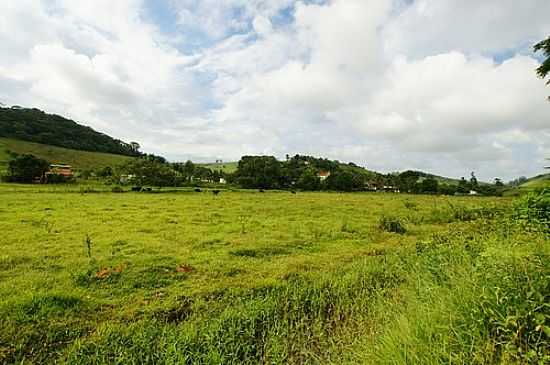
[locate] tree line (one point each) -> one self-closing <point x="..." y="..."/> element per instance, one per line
<point x="299" y="172"/>
<point x="315" y="174"/>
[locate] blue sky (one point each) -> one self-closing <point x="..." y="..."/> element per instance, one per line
<point x="446" y="86"/>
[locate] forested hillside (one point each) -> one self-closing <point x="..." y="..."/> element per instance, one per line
<point x="34" y="125"/>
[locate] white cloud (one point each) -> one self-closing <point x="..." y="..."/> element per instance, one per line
<point x="430" y="27"/>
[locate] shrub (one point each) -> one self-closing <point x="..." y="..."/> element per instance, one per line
<point x="392" y="224"/>
<point x="58" y="179"/>
<point x="533" y="210"/>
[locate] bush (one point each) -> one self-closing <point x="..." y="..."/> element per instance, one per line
<point x="533" y="211"/>
<point x="117" y="189"/>
<point x="392" y="224"/>
<point x="56" y="179"/>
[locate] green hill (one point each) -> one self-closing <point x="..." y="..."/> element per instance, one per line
<point x="80" y="160"/>
<point x="227" y="167"/>
<point x="534" y="183"/>
<point x="537" y="182"/>
<point x="34" y="125"/>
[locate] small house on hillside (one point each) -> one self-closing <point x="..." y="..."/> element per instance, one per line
<point x="323" y="175"/>
<point x="62" y="170"/>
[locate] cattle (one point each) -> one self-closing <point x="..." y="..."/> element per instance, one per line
<point x="292" y="192"/>
<point x="136" y="188"/>
<point x="147" y="189"/>
<point x="215" y="192"/>
<point x="197" y="190"/>
<point x="262" y="191"/>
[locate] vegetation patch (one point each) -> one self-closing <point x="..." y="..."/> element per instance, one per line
<point x="260" y="252"/>
<point x="392" y="225"/>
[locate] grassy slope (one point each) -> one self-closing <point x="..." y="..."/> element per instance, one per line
<point x="532" y="184"/>
<point x="250" y="277"/>
<point x="81" y="160"/>
<point x="227" y="167"/>
<point x="540" y="181"/>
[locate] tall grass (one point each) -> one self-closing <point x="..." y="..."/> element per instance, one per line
<point x="479" y="296"/>
<point x="303" y="320"/>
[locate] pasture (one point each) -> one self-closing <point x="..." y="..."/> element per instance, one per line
<point x="249" y="277"/>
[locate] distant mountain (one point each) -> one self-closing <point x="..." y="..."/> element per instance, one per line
<point x="34" y="125"/>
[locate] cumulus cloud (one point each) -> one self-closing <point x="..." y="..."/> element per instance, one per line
<point x="428" y="27"/>
<point x="443" y="85"/>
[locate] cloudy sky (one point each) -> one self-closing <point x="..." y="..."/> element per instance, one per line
<point x="446" y="86"/>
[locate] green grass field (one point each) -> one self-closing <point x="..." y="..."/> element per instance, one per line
<point x="248" y="277"/>
<point x="80" y="160"/>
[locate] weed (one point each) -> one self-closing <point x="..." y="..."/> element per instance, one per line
<point x="410" y="205"/>
<point x="88" y="242"/>
<point x="392" y="224"/>
<point x="259" y="253"/>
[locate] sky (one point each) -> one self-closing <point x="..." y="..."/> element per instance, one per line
<point x="445" y="86"/>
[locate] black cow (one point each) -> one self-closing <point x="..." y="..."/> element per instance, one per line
<point x="292" y="192"/>
<point x="136" y="188"/>
<point x="215" y="192"/>
<point x="262" y="191"/>
<point x="197" y="190"/>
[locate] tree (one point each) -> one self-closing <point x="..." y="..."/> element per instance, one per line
<point x="341" y="180"/>
<point x="309" y="180"/>
<point x="135" y="147"/>
<point x="107" y="171"/>
<point x="28" y="168"/>
<point x="463" y="186"/>
<point x="150" y="172"/>
<point x="429" y="185"/>
<point x="259" y="172"/>
<point x="406" y="181"/>
<point x="189" y="170"/>
<point x="544" y="69"/>
<point x="473" y="181"/>
<point x="447" y="189"/>
<point x="498" y="182"/>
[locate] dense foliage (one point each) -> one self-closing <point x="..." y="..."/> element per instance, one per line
<point x="150" y="172"/>
<point x="27" y="169"/>
<point x="260" y="172"/>
<point x="301" y="172"/>
<point x="533" y="210"/>
<point x="544" y="46"/>
<point x="313" y="174"/>
<point x="36" y="126"/>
